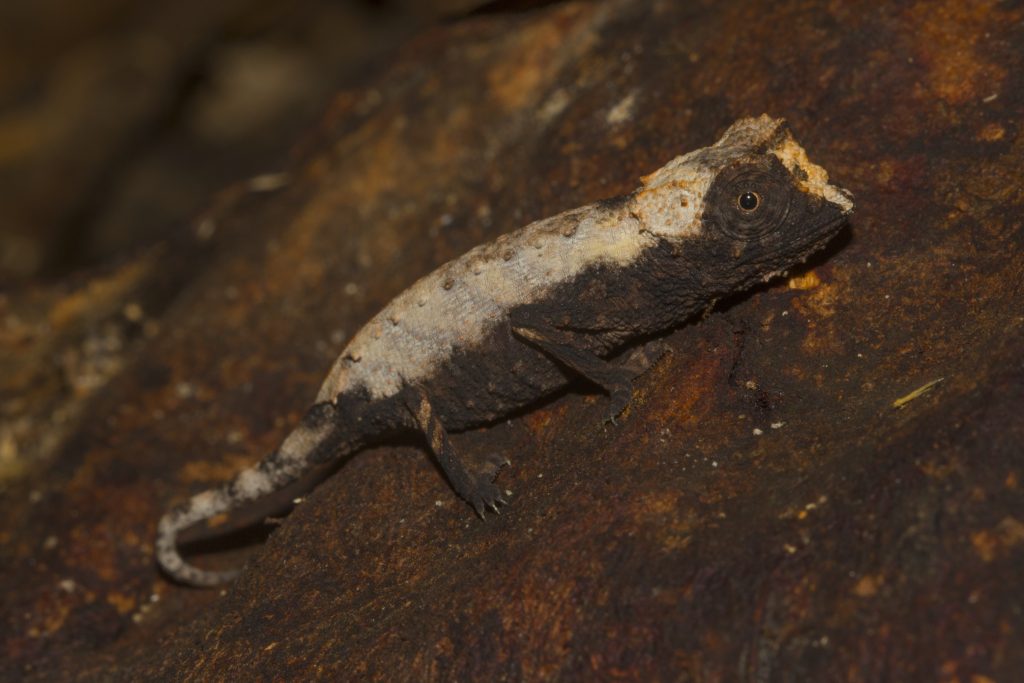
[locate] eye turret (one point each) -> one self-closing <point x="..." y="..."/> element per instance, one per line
<point x="749" y="199"/>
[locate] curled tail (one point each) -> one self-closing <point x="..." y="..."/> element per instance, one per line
<point x="297" y="454"/>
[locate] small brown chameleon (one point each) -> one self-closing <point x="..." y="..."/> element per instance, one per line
<point x="516" y="319"/>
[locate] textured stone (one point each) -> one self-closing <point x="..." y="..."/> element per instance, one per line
<point x="766" y="509"/>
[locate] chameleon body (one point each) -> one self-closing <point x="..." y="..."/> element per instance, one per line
<point x="516" y="319"/>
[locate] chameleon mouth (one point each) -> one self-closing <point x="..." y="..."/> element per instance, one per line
<point x="839" y="209"/>
<point x="825" y="232"/>
<point x="834" y="223"/>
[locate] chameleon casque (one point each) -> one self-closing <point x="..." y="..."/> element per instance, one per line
<point x="516" y="319"/>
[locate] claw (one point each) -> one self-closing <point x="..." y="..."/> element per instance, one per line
<point x="498" y="461"/>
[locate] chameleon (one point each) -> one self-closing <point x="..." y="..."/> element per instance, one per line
<point x="586" y="293"/>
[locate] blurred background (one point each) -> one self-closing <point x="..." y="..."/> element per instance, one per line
<point x="119" y="118"/>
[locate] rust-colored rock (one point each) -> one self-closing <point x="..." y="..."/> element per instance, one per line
<point x="769" y="509"/>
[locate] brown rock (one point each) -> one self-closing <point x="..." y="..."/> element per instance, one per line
<point x="763" y="511"/>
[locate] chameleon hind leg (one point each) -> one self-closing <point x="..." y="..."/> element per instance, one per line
<point x="479" y="490"/>
<point x="615" y="378"/>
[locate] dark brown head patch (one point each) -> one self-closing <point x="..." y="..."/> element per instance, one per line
<point x="749" y="199"/>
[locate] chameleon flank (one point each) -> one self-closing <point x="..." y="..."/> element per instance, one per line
<point x="516" y="319"/>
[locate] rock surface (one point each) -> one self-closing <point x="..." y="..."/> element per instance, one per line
<point x="822" y="481"/>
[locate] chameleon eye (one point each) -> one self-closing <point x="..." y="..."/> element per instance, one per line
<point x="748" y="201"/>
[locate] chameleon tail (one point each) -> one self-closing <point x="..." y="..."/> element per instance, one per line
<point x="297" y="454"/>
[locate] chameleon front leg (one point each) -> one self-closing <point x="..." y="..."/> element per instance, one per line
<point x="478" y="490"/>
<point x="567" y="348"/>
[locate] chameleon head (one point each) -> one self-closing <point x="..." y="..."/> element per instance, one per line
<point x="753" y="199"/>
<point x="770" y="204"/>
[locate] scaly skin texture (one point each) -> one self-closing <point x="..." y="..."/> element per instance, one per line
<point x="516" y="319"/>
